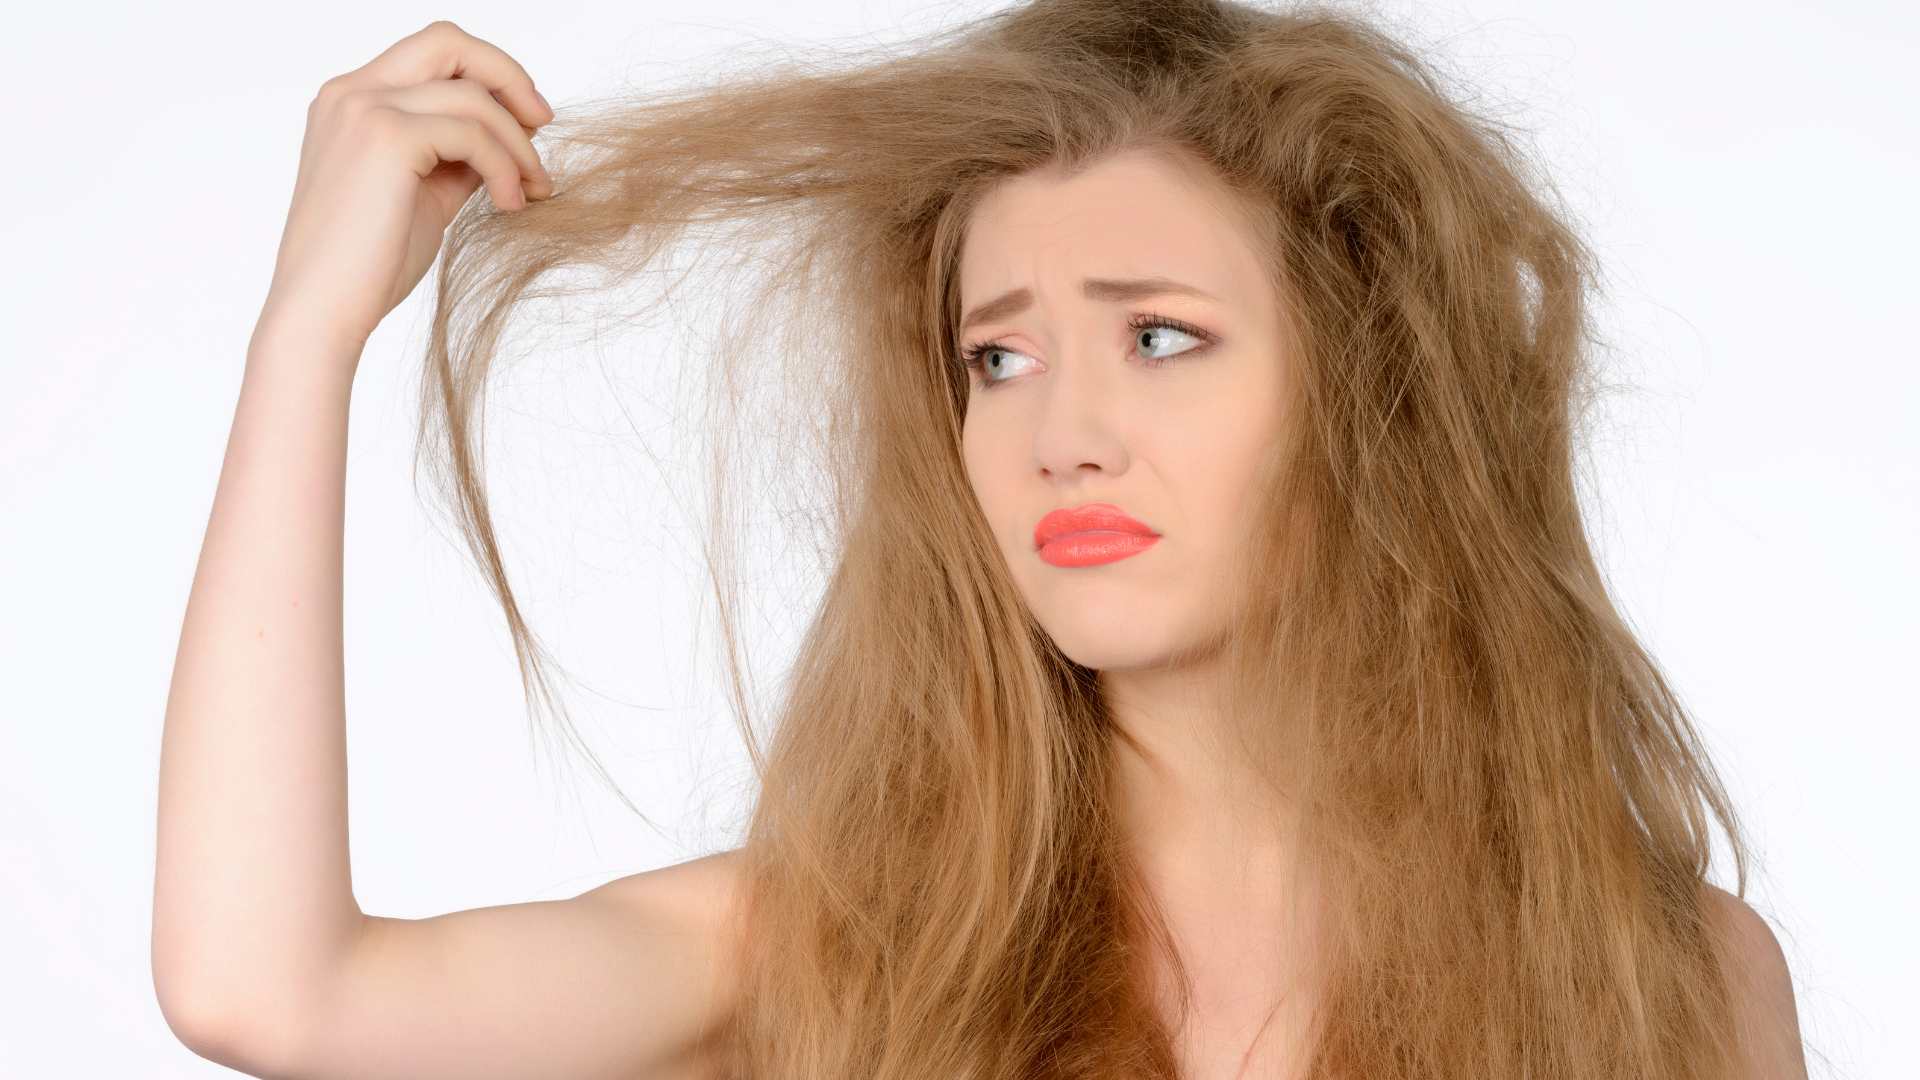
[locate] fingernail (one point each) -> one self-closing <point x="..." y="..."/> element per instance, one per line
<point x="543" y="100"/>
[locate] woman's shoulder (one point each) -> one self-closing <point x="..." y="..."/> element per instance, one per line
<point x="698" y="896"/>
<point x="707" y="876"/>
<point x="1760" y="984"/>
<point x="689" y="911"/>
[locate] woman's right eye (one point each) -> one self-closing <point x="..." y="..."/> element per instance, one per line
<point x="986" y="357"/>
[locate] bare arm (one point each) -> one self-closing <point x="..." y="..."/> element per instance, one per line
<point x="252" y="897"/>
<point x="633" y="980"/>
<point x="262" y="958"/>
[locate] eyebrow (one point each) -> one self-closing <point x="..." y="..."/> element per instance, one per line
<point x="1112" y="290"/>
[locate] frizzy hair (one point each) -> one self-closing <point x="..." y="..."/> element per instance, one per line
<point x="1503" y="798"/>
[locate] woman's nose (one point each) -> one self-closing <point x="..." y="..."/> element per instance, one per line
<point x="1078" y="420"/>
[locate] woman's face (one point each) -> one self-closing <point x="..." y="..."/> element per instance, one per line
<point x="1066" y="407"/>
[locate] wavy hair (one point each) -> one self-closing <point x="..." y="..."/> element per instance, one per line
<point x="1502" y="796"/>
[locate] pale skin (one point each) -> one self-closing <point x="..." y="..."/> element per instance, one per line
<point x="1065" y="410"/>
<point x="262" y="959"/>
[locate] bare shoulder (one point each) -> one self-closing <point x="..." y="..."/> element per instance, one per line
<point x="698" y="897"/>
<point x="701" y="894"/>
<point x="1756" y="967"/>
<point x="697" y="887"/>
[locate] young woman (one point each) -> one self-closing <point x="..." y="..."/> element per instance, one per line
<point x="1214" y="679"/>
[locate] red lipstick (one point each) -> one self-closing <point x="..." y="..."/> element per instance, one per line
<point x="1089" y="535"/>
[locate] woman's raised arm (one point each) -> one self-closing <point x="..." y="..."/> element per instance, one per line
<point x="262" y="958"/>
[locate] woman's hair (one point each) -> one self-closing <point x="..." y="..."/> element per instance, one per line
<point x="1502" y="797"/>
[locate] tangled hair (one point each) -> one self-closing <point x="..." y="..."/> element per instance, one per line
<point x="1502" y="797"/>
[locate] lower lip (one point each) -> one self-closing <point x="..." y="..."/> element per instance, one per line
<point x="1094" y="547"/>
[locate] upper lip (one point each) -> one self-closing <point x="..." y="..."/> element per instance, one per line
<point x="1103" y="517"/>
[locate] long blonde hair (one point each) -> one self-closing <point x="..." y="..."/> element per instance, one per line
<point x="1505" y="801"/>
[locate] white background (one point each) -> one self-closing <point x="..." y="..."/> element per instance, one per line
<point x="1748" y="171"/>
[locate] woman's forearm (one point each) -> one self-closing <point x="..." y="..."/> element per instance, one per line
<point x="253" y="897"/>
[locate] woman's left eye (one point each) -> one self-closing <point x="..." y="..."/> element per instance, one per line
<point x="1145" y="328"/>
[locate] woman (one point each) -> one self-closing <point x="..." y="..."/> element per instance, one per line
<point x="1214" y="679"/>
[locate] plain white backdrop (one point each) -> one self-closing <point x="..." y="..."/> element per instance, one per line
<point x="1748" y="171"/>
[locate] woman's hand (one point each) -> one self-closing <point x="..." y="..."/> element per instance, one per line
<point x="392" y="151"/>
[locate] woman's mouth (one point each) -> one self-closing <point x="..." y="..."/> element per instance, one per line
<point x="1090" y="535"/>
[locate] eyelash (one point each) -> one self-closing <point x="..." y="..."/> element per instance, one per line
<point x="973" y="355"/>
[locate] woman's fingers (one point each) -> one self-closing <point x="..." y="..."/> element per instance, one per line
<point x="442" y="50"/>
<point x="469" y="100"/>
<point x="433" y="138"/>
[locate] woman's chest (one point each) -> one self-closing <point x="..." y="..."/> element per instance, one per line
<point x="1249" y="1006"/>
<point x="1230" y="1034"/>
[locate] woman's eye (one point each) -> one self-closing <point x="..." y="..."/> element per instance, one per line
<point x="1146" y="333"/>
<point x="988" y="358"/>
